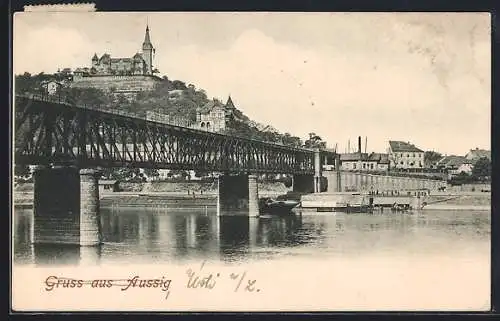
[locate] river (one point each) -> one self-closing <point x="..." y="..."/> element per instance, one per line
<point x="155" y="236"/>
<point x="433" y="260"/>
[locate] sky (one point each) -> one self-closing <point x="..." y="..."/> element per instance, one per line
<point x="415" y="77"/>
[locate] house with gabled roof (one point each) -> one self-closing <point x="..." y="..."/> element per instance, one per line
<point x="404" y="155"/>
<point x="51" y="87"/>
<point x="475" y="154"/>
<point x="364" y="161"/>
<point x="214" y="115"/>
<point x="455" y="164"/>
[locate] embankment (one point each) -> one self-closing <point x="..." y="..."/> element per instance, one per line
<point x="459" y="201"/>
<point x="174" y="194"/>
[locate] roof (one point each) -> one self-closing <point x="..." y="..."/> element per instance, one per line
<point x="95" y="57"/>
<point x="478" y="153"/>
<point x="372" y="157"/>
<point x="147" y="40"/>
<point x="453" y="161"/>
<point x="208" y="107"/>
<point x="229" y="103"/>
<point x="400" y="146"/>
<point x="378" y="157"/>
<point x="353" y="156"/>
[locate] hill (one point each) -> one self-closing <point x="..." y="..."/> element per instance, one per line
<point x="171" y="97"/>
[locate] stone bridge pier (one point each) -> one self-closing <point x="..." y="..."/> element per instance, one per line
<point x="66" y="206"/>
<point x="238" y="195"/>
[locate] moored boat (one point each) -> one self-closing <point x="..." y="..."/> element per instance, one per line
<point x="348" y="202"/>
<point x="271" y="206"/>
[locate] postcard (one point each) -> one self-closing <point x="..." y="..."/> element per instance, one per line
<point x="251" y="161"/>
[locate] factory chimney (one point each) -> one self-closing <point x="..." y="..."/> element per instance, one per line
<point x="359" y="144"/>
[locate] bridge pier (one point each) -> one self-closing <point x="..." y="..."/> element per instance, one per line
<point x="66" y="206"/>
<point x="90" y="218"/>
<point x="238" y="195"/>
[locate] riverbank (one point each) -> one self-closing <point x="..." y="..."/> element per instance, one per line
<point x="204" y="195"/>
<point x="470" y="201"/>
<point x="170" y="194"/>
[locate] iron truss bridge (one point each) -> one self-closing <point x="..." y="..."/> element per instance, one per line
<point x="50" y="131"/>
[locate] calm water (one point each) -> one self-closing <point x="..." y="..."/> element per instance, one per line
<point x="155" y="236"/>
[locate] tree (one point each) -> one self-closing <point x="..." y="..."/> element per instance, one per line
<point x="482" y="169"/>
<point x="431" y="158"/>
<point x="314" y="141"/>
<point x="177" y="84"/>
<point x="288" y="139"/>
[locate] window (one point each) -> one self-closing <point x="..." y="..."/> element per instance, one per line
<point x="371" y="166"/>
<point x="364" y="165"/>
<point x="354" y="166"/>
<point x="413" y="155"/>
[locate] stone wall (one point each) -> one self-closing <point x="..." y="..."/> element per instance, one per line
<point x="351" y="181"/>
<point x="120" y="83"/>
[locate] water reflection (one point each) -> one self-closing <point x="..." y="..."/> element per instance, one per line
<point x="145" y="235"/>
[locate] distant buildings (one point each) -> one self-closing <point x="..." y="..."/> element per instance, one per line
<point x="364" y="161"/>
<point x="455" y="165"/>
<point x="475" y="154"/>
<point x="404" y="155"/>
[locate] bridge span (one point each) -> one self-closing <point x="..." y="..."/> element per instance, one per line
<point x="70" y="143"/>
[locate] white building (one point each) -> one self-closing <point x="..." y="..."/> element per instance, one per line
<point x="404" y="155"/>
<point x="364" y="162"/>
<point x="456" y="164"/>
<point x="51" y="87"/>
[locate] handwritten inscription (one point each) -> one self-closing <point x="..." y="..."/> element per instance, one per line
<point x="56" y="282"/>
<point x="204" y="280"/>
<point x="201" y="278"/>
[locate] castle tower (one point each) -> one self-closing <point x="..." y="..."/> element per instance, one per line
<point x="147" y="52"/>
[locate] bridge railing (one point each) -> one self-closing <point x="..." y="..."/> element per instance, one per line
<point x="65" y="100"/>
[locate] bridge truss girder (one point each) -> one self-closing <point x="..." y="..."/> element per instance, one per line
<point x="47" y="132"/>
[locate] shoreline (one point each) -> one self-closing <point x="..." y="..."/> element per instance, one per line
<point x="184" y="196"/>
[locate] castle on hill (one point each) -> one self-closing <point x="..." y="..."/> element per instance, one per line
<point x="121" y="75"/>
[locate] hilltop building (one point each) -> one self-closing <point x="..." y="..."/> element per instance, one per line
<point x="404" y="155"/>
<point x="121" y="75"/>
